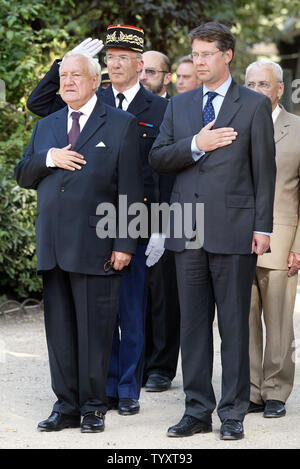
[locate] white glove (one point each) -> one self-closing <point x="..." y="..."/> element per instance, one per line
<point x="89" y="47"/>
<point x="155" y="248"/>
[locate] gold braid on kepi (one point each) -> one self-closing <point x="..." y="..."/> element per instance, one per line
<point x="126" y="37"/>
<point x="105" y="76"/>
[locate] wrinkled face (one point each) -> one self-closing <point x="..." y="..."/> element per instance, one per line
<point x="212" y="65"/>
<point x="154" y="75"/>
<point x="263" y="80"/>
<point x="77" y="85"/>
<point x="186" y="77"/>
<point x="123" y="67"/>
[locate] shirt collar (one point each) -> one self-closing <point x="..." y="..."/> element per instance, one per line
<point x="87" y="108"/>
<point x="130" y="93"/>
<point x="276" y="113"/>
<point x="222" y="89"/>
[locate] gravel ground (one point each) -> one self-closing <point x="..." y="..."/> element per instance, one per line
<point x="27" y="398"/>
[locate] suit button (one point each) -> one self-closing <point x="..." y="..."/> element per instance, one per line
<point x="196" y="195"/>
<point x="62" y="189"/>
<point x="144" y="135"/>
<point x="145" y="199"/>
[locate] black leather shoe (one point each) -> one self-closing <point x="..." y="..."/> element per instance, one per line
<point x="188" y="426"/>
<point x="92" y="422"/>
<point x="112" y="403"/>
<point x="157" y="383"/>
<point x="255" y="408"/>
<point x="232" y="430"/>
<point x="128" y="406"/>
<point x="274" y="409"/>
<point x="58" y="421"/>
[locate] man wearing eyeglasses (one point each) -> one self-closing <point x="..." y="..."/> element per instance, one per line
<point x="156" y="73"/>
<point x="274" y="289"/>
<point x="124" y="47"/>
<point x="219" y="141"/>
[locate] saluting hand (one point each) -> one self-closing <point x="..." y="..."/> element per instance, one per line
<point x="209" y="140"/>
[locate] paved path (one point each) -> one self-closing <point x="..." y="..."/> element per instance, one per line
<point x="26" y="398"/>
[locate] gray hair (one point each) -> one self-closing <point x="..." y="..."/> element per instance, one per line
<point x="93" y="63"/>
<point x="278" y="72"/>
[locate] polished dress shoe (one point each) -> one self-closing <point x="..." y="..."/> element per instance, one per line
<point x="274" y="409"/>
<point x="92" y="422"/>
<point x="112" y="403"/>
<point x="128" y="406"/>
<point x="188" y="426"/>
<point x="157" y="383"/>
<point x="58" y="421"/>
<point x="232" y="430"/>
<point x="255" y="408"/>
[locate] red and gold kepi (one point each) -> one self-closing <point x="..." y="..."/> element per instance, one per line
<point x="125" y="36"/>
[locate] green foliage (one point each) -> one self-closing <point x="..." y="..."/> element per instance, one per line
<point x="28" y="31"/>
<point x="17" y="210"/>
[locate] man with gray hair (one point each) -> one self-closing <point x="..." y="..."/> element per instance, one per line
<point x="275" y="284"/>
<point x="79" y="157"/>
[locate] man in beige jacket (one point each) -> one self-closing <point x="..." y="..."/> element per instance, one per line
<point x="275" y="284"/>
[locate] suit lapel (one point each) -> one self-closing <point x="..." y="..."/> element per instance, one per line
<point x="140" y="102"/>
<point x="230" y="106"/>
<point x="95" y="121"/>
<point x="195" y="112"/>
<point x="281" y="127"/>
<point x="59" y="127"/>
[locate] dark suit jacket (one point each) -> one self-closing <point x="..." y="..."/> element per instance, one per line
<point x="235" y="183"/>
<point x="67" y="201"/>
<point x="147" y="107"/>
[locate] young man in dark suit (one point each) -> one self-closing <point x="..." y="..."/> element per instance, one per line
<point x="79" y="157"/>
<point x="224" y="159"/>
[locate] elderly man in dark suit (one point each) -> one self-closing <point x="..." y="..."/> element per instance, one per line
<point x="124" y="47"/>
<point x="224" y="160"/>
<point x="79" y="157"/>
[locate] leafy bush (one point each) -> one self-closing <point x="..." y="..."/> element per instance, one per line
<point x="17" y="210"/>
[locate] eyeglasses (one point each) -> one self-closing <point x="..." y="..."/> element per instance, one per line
<point x="151" y="72"/>
<point x="204" y="55"/>
<point x="262" y="85"/>
<point x="122" y="59"/>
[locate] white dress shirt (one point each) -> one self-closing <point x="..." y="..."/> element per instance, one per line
<point x="86" y="111"/>
<point x="129" y="95"/>
<point x="276" y="113"/>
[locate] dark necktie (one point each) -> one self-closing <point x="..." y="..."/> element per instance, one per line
<point x="208" y="111"/>
<point x="75" y="129"/>
<point x="121" y="99"/>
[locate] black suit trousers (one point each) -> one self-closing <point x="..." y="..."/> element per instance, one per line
<point x="202" y="278"/>
<point x="80" y="317"/>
